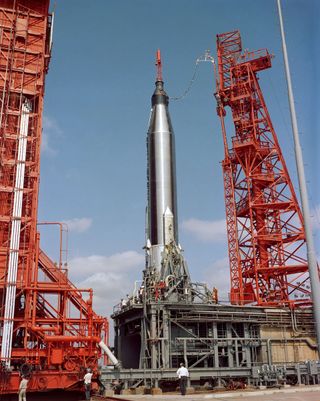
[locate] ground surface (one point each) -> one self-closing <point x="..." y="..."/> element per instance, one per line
<point x="50" y="396"/>
<point x="311" y="393"/>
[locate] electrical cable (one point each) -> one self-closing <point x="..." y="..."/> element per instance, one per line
<point x="207" y="58"/>
<point x="187" y="90"/>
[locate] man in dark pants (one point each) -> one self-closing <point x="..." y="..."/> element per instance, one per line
<point x="183" y="375"/>
<point x="87" y="383"/>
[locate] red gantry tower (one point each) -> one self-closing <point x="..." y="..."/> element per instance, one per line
<point x="266" y="238"/>
<point x="49" y="331"/>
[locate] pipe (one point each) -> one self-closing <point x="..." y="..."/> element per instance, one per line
<point x="14" y="244"/>
<point x="297" y="339"/>
<point x="185" y="353"/>
<point x="63" y="227"/>
<point x="269" y="353"/>
<point x="51" y="31"/>
<point x="107" y="350"/>
<point x="294" y="323"/>
<point x="38" y="328"/>
<point x="311" y="255"/>
<point x="66" y="339"/>
<point x="224" y="339"/>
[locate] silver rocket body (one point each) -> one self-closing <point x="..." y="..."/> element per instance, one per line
<point x="162" y="226"/>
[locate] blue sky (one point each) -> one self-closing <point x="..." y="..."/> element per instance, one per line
<point x="97" y="104"/>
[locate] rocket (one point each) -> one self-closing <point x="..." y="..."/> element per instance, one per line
<point x="162" y="225"/>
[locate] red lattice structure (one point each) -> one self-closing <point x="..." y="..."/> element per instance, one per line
<point x="266" y="238"/>
<point x="49" y="331"/>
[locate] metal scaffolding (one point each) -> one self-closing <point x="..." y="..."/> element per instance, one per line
<point x="265" y="228"/>
<point x="49" y="331"/>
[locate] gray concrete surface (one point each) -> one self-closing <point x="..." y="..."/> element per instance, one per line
<point x="307" y="393"/>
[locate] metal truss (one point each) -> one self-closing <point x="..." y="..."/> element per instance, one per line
<point x="49" y="331"/>
<point x="215" y="342"/>
<point x="266" y="238"/>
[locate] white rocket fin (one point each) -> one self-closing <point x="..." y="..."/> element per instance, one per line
<point x="168" y="226"/>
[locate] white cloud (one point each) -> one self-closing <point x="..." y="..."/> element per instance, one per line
<point x="218" y="275"/>
<point x="78" y="225"/>
<point x="315" y="218"/>
<point x="45" y="143"/>
<point x="108" y="289"/>
<point x="315" y="221"/>
<point x="110" y="277"/>
<point x="51" y="129"/>
<point x="206" y="230"/>
<point x="118" y="263"/>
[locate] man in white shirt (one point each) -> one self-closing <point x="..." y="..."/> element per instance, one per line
<point x="23" y="389"/>
<point x="183" y="375"/>
<point x="87" y="383"/>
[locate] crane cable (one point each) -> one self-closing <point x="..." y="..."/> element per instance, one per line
<point x="206" y="57"/>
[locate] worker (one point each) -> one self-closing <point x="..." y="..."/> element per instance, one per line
<point x="141" y="293"/>
<point x="183" y="375"/>
<point x="215" y="295"/>
<point x="23" y="389"/>
<point x="123" y="302"/>
<point x="87" y="383"/>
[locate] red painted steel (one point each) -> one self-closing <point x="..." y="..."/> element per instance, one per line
<point x="55" y="330"/>
<point x="159" y="66"/>
<point x="266" y="238"/>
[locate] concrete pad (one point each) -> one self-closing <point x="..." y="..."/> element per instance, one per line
<point x="139" y="390"/>
<point x="126" y="392"/>
<point x="261" y="393"/>
<point x="295" y="393"/>
<point x="108" y="393"/>
<point x="156" y="391"/>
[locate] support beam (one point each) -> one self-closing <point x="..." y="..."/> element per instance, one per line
<point x="311" y="254"/>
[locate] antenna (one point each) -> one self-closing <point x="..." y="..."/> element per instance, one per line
<point x="159" y="66"/>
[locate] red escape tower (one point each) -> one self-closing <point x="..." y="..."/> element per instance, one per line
<point x="266" y="238"/>
<point x="49" y="331"/>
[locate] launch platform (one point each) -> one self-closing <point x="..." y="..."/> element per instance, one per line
<point x="218" y="343"/>
<point x="171" y="320"/>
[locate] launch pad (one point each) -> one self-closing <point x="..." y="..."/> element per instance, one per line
<point x="171" y="320"/>
<point x="206" y="335"/>
<point x="49" y="332"/>
<point x="219" y="344"/>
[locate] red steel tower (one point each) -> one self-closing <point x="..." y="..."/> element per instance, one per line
<point x="266" y="238"/>
<point x="49" y="330"/>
